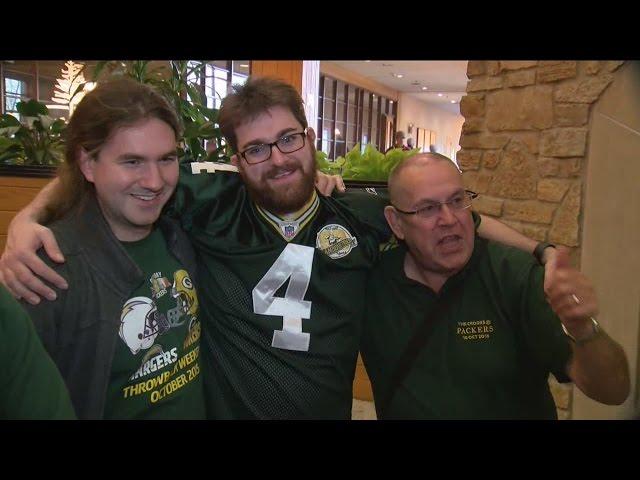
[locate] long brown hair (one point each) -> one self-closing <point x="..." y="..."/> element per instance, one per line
<point x="254" y="98"/>
<point x="111" y="105"/>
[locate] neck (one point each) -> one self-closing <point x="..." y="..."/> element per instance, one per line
<point x="432" y="279"/>
<point x="132" y="235"/>
<point x="297" y="213"/>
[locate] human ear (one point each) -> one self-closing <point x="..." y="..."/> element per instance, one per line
<point x="86" y="164"/>
<point x="394" y="222"/>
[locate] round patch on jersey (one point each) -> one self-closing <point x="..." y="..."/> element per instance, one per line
<point x="335" y="241"/>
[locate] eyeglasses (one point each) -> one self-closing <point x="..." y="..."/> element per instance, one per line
<point x="289" y="143"/>
<point x="431" y="209"/>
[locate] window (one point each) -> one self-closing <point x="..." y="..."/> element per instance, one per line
<point x="34" y="79"/>
<point x="15" y="90"/>
<point x="217" y="76"/>
<point x="350" y="115"/>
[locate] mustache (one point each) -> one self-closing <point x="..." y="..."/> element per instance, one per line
<point x="274" y="171"/>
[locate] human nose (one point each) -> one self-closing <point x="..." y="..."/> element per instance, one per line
<point x="151" y="178"/>
<point x="445" y="214"/>
<point x="277" y="157"/>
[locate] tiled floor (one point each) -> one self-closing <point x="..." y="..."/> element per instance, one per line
<point x="362" y="410"/>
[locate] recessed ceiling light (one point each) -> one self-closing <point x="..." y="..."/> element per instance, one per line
<point x="453" y="101"/>
<point x="399" y="75"/>
<point x="439" y="94"/>
<point x="424" y="88"/>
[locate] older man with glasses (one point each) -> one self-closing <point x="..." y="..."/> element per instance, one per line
<point x="282" y="270"/>
<point x="458" y="327"/>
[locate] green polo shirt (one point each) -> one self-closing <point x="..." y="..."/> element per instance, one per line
<point x="490" y="353"/>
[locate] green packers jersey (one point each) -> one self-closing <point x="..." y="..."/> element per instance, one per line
<point x="488" y="356"/>
<point x="155" y="373"/>
<point x="282" y="299"/>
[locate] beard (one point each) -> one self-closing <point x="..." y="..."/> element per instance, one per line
<point x="282" y="200"/>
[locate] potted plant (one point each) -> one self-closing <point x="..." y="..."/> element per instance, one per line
<point x="32" y="143"/>
<point x="364" y="167"/>
<point x="187" y="98"/>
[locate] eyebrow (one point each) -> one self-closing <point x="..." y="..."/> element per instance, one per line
<point x="426" y="201"/>
<point x="135" y="156"/>
<point x="261" y="141"/>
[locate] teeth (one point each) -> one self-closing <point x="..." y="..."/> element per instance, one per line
<point x="145" y="197"/>
<point x="450" y="238"/>
<point x="283" y="174"/>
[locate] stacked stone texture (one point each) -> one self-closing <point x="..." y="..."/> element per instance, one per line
<point x="524" y="142"/>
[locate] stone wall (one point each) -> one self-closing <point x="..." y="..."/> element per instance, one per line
<point x="524" y="143"/>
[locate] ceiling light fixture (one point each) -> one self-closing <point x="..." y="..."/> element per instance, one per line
<point x="424" y="88"/>
<point x="439" y="94"/>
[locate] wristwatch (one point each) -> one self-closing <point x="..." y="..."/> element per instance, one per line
<point x="590" y="336"/>
<point x="538" y="252"/>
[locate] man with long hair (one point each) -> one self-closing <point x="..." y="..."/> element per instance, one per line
<point x="282" y="270"/>
<point x="126" y="335"/>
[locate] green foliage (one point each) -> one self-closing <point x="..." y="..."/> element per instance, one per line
<point x="324" y="165"/>
<point x="367" y="165"/>
<point x="36" y="140"/>
<point x="200" y="122"/>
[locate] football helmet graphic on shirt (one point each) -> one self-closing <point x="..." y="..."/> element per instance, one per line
<point x="141" y="323"/>
<point x="184" y="293"/>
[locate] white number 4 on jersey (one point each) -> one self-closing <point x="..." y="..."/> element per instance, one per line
<point x="295" y="263"/>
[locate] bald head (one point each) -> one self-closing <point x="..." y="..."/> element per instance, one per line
<point x="429" y="212"/>
<point x="421" y="160"/>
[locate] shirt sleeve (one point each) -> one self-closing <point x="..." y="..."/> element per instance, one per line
<point x="200" y="188"/>
<point x="31" y="386"/>
<point x="369" y="206"/>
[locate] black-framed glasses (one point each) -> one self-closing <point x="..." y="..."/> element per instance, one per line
<point x="431" y="209"/>
<point x="289" y="143"/>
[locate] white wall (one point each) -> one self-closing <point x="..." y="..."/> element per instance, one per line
<point x="447" y="125"/>
<point x="611" y="230"/>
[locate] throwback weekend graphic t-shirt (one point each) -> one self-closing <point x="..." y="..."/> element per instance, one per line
<point x="155" y="372"/>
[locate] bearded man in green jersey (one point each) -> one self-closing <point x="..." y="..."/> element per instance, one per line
<point x="282" y="269"/>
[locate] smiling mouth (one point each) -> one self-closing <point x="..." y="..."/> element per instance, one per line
<point x="146" y="197"/>
<point x="282" y="174"/>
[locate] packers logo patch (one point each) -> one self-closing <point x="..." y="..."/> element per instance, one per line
<point x="335" y="241"/>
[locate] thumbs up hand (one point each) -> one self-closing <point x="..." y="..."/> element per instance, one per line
<point x="570" y="294"/>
